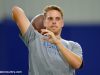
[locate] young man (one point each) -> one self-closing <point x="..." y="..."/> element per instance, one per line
<point x="49" y="54"/>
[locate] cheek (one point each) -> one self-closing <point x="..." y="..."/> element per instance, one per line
<point x="62" y="24"/>
<point x="46" y="24"/>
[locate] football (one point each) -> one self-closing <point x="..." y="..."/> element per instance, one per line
<point x="37" y="22"/>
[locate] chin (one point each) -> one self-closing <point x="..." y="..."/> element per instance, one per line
<point x="55" y="32"/>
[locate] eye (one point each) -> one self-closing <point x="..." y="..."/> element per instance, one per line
<point x="57" y="18"/>
<point x="50" y="18"/>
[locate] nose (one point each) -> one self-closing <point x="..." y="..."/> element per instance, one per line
<point x="54" y="21"/>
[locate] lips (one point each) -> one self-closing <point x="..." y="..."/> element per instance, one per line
<point x="53" y="26"/>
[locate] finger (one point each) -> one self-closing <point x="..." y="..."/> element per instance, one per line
<point x="47" y="35"/>
<point x="43" y="31"/>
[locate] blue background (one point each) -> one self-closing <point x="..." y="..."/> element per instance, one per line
<point x="14" y="53"/>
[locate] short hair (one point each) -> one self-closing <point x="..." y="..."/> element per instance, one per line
<point x="52" y="7"/>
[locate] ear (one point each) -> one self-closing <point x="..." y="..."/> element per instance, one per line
<point x="62" y="23"/>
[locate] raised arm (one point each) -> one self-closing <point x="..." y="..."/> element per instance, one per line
<point x="20" y="18"/>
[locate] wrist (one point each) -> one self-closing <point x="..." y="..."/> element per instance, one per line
<point x="57" y="41"/>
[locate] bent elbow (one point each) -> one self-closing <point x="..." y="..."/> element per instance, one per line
<point x="78" y="66"/>
<point x="16" y="11"/>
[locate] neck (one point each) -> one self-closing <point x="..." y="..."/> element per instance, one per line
<point x="58" y="36"/>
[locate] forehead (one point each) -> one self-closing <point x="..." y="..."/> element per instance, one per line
<point x="53" y="13"/>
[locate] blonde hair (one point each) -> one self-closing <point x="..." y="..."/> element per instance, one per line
<point x="52" y="7"/>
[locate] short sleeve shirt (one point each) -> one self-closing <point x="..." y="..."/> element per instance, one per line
<point x="44" y="57"/>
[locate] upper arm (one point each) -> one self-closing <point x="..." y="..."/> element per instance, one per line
<point x="76" y="48"/>
<point x="20" y="18"/>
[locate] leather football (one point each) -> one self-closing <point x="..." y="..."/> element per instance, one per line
<point x="37" y="22"/>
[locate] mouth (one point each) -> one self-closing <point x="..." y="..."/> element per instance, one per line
<point x="53" y="26"/>
<point x="53" y="29"/>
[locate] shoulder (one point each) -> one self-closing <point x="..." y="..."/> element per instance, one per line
<point x="70" y="43"/>
<point x="67" y="41"/>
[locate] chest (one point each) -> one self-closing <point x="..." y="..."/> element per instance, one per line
<point x="53" y="56"/>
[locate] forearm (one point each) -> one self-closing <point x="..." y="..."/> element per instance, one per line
<point x="70" y="57"/>
<point x="73" y="59"/>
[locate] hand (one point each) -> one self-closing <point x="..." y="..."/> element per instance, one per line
<point x="50" y="36"/>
